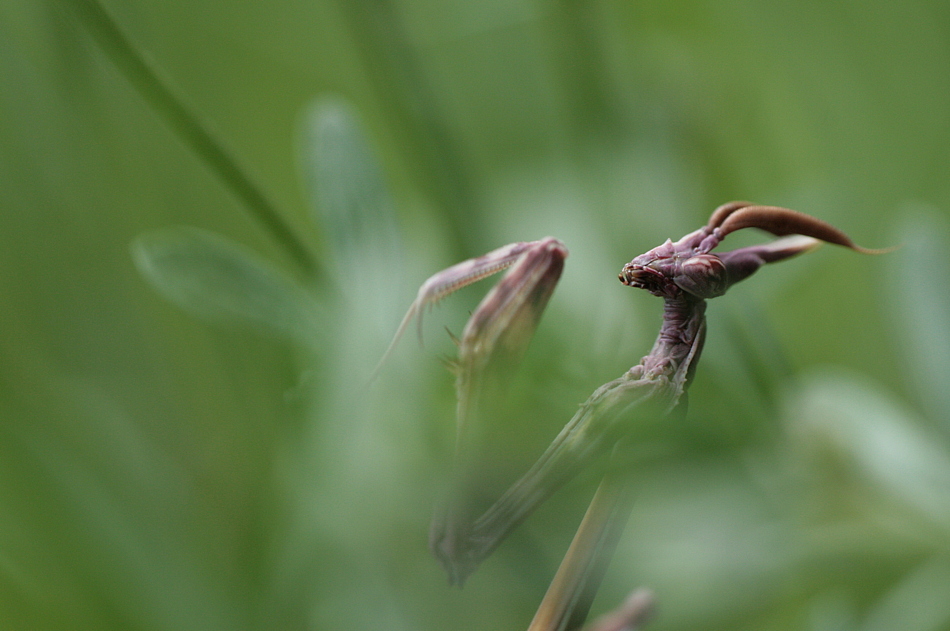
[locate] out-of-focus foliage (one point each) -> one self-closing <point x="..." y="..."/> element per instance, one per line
<point x="167" y="462"/>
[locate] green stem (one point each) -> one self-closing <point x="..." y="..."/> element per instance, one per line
<point x="187" y="125"/>
<point x="569" y="597"/>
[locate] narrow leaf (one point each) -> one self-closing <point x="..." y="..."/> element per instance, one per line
<point x="921" y="308"/>
<point x="349" y="195"/>
<point x="856" y="421"/>
<point x="217" y="279"/>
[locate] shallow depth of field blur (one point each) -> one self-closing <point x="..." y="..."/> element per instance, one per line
<point x="188" y="438"/>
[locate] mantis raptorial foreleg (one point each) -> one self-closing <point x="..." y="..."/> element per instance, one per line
<point x="685" y="274"/>
<point x="451" y="279"/>
<point x="498" y="331"/>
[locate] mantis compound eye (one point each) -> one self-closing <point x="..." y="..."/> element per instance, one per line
<point x="640" y="276"/>
<point x="627" y="276"/>
<point x="704" y="276"/>
<point x="646" y="277"/>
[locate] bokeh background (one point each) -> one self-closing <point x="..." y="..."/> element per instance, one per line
<point x="188" y="438"/>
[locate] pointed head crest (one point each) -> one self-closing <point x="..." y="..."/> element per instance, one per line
<point x="779" y="221"/>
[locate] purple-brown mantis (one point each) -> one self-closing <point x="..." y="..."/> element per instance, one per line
<point x="685" y="274"/>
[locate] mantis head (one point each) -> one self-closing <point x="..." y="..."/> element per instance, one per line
<point x="687" y="269"/>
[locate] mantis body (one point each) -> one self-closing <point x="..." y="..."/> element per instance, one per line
<point x="685" y="274"/>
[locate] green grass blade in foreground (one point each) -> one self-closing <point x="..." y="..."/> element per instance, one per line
<point x="193" y="132"/>
<point x="217" y="279"/>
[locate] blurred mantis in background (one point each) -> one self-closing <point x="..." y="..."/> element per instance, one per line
<point x="685" y="274"/>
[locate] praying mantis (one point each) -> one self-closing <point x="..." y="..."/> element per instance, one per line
<point x="685" y="274"/>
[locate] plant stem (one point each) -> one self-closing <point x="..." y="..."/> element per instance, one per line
<point x="186" y="124"/>
<point x="569" y="597"/>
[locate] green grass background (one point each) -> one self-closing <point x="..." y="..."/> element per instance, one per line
<point x="226" y="465"/>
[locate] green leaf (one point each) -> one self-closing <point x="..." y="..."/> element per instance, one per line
<point x="920" y="282"/>
<point x="219" y="280"/>
<point x="349" y="195"/>
<point x="855" y="422"/>
<point x="919" y="601"/>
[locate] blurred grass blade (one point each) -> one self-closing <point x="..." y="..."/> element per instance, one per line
<point x="922" y="308"/>
<point x="215" y="278"/>
<point x="349" y="197"/>
<point x="857" y="425"/>
<point x="392" y="58"/>
<point x="574" y="587"/>
<point x="192" y="131"/>
<point x="918" y="602"/>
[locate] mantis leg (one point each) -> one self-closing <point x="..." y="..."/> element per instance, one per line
<point x="596" y="427"/>
<point x="453" y="278"/>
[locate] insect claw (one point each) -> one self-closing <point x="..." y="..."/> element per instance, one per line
<point x="451" y="364"/>
<point x="455" y="340"/>
<point x="399" y="333"/>
<point x="449" y="280"/>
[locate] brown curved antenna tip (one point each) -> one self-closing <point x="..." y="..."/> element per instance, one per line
<point x="783" y="221"/>
<point x="720" y="214"/>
